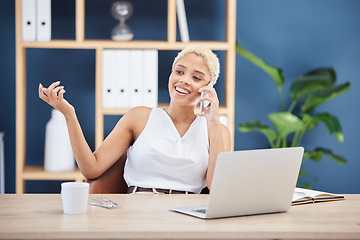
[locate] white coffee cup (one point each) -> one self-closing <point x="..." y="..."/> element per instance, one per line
<point x="75" y="197"/>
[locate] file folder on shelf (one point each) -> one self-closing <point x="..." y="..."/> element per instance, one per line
<point x="129" y="78"/>
<point x="121" y="79"/>
<point x="28" y="8"/>
<point x="108" y="74"/>
<point x="136" y="75"/>
<point x="150" y="78"/>
<point x="43" y="20"/>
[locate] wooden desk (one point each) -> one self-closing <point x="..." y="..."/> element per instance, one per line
<point x="147" y="217"/>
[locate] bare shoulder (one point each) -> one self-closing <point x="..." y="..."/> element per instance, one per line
<point x="138" y="114"/>
<point x="135" y="120"/>
<point x="134" y="117"/>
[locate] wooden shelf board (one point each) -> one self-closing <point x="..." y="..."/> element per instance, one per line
<point x="134" y="44"/>
<point x="39" y="173"/>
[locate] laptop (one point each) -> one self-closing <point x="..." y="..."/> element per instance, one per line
<point x="250" y="182"/>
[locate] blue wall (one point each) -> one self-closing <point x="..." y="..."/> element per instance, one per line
<point x="296" y="35"/>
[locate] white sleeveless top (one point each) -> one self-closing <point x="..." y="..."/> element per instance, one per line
<point x="160" y="158"/>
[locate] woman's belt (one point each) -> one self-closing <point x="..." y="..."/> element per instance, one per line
<point x="135" y="189"/>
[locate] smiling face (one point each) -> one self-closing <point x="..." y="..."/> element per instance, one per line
<point x="189" y="74"/>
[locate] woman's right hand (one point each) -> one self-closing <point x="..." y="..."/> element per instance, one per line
<point x="54" y="96"/>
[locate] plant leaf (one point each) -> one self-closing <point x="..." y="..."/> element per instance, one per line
<point x="309" y="121"/>
<point x="304" y="185"/>
<point x="313" y="80"/>
<point x="332" y="123"/>
<point x="338" y="159"/>
<point x="321" y="96"/>
<point x="302" y="173"/>
<point x="316" y="155"/>
<point x="286" y="123"/>
<point x="327" y="74"/>
<point x="258" y="126"/>
<point x="273" y="72"/>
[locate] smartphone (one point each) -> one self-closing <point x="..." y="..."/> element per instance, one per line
<point x="204" y="104"/>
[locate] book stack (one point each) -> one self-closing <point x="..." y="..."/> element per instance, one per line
<point x="130" y="78"/>
<point x="36" y="20"/>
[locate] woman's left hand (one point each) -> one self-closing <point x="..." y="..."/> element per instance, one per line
<point x="212" y="111"/>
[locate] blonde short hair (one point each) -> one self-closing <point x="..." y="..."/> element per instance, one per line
<point x="211" y="60"/>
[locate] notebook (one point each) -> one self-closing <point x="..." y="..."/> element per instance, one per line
<point x="250" y="182"/>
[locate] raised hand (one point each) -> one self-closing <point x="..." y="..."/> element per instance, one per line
<point x="54" y="96"/>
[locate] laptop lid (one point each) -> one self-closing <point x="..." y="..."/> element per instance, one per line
<point x="251" y="182"/>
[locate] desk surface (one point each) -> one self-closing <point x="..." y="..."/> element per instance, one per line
<point x="142" y="216"/>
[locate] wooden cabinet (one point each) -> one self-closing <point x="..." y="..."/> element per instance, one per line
<point x="24" y="172"/>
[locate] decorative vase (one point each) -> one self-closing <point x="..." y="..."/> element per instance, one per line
<point x="59" y="156"/>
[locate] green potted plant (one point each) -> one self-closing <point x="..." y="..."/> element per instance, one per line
<point x="295" y="119"/>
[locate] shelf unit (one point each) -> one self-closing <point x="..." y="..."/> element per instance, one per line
<point x="24" y="172"/>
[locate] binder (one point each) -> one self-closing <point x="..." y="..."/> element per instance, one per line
<point x="122" y="78"/>
<point x="108" y="74"/>
<point x="28" y="8"/>
<point x="150" y="78"/>
<point x="43" y="20"/>
<point x="183" y="26"/>
<point x="129" y="78"/>
<point x="136" y="75"/>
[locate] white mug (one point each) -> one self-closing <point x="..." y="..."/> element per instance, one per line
<point x="75" y="197"/>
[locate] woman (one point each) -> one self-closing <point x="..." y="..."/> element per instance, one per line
<point x="169" y="148"/>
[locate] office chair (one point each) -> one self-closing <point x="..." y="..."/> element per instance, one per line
<point x="111" y="181"/>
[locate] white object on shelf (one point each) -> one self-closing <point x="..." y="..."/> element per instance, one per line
<point x="121" y="78"/>
<point x="136" y="84"/>
<point x="150" y="78"/>
<point x="59" y="156"/>
<point x="28" y="20"/>
<point x="108" y="74"/>
<point x="183" y="26"/>
<point x="43" y="20"/>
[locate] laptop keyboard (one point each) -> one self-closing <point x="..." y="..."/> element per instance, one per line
<point x="203" y="210"/>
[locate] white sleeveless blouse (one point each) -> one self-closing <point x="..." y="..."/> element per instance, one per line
<point x="160" y="158"/>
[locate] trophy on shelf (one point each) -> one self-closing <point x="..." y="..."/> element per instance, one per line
<point x="122" y="11"/>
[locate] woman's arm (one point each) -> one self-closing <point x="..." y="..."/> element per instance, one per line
<point x="220" y="141"/>
<point x="91" y="164"/>
<point x="219" y="135"/>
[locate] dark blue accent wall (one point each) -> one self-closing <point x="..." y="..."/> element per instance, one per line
<point x="297" y="36"/>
